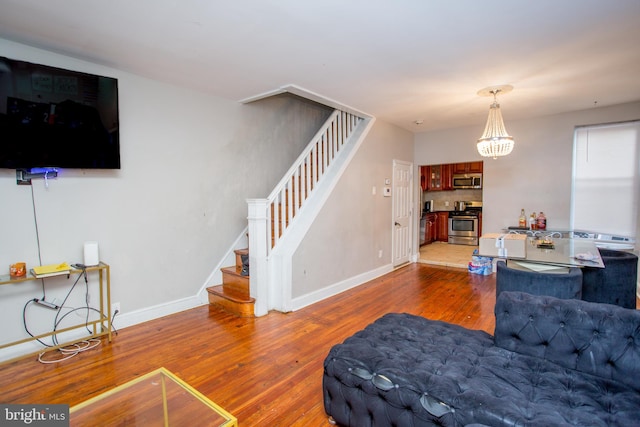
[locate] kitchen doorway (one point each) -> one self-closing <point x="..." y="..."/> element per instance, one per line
<point x="446" y="255"/>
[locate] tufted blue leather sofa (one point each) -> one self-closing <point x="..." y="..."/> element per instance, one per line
<point x="551" y="362"/>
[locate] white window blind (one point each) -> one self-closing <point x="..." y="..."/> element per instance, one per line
<point x="606" y="183"/>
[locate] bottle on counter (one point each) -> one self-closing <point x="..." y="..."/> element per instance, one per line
<point x="542" y="221"/>
<point x="522" y="221"/>
<point x="533" y="222"/>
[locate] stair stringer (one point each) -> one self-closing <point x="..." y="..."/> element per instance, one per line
<point x="279" y="286"/>
<point x="228" y="259"/>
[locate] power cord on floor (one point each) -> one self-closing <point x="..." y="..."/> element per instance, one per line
<point x="70" y="351"/>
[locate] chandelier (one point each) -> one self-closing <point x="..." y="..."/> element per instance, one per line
<point x="495" y="141"/>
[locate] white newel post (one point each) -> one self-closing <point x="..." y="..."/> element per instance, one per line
<point x="258" y="253"/>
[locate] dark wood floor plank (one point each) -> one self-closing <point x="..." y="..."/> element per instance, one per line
<point x="267" y="370"/>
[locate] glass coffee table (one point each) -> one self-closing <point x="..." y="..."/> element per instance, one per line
<point x="158" y="398"/>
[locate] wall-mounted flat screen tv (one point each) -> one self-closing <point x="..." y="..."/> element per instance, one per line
<point x="52" y="117"/>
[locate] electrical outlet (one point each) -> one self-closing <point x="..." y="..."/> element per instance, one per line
<point x="115" y="307"/>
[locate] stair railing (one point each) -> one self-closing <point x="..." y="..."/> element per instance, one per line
<point x="289" y="196"/>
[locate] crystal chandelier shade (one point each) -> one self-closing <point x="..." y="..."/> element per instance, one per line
<point x="495" y="141"/>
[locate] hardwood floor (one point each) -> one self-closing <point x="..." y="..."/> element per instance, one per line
<point x="267" y="370"/>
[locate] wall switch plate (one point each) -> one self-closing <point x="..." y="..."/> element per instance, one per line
<point x="387" y="191"/>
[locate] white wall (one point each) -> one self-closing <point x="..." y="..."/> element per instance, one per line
<point x="342" y="247"/>
<point x="536" y="176"/>
<point x="165" y="220"/>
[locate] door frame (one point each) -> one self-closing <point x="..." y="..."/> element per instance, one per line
<point x="407" y="206"/>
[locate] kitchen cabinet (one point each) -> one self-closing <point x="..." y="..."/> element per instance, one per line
<point x="434" y="179"/>
<point x="430" y="229"/>
<point x="468" y="167"/>
<point x="442" y="222"/>
<point x="424" y="176"/>
<point x="439" y="177"/>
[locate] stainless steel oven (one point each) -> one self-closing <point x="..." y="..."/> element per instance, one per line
<point x="464" y="223"/>
<point x="463" y="229"/>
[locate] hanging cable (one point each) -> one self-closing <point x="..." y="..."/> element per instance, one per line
<point x="71" y="350"/>
<point x="56" y="322"/>
<point x="75" y="348"/>
<point x="35" y="222"/>
<point x="24" y="322"/>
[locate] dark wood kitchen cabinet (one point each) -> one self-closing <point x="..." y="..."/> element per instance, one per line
<point x="439" y="177"/>
<point x="442" y="222"/>
<point x="430" y="229"/>
<point x="424" y="177"/>
<point x="468" y="167"/>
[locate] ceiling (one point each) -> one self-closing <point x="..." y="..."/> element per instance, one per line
<point x="401" y="61"/>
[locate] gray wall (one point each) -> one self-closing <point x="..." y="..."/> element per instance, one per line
<point x="164" y="221"/>
<point x="354" y="225"/>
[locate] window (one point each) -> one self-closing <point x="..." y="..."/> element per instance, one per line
<point x="606" y="183"/>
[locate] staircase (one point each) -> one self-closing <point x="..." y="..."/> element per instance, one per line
<point x="271" y="218"/>
<point x="233" y="294"/>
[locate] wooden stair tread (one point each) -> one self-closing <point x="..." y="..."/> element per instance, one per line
<point x="231" y="301"/>
<point x="230" y="294"/>
<point x="234" y="271"/>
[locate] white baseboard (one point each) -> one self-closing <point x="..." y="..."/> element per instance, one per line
<point x="19" y="350"/>
<point x="119" y="322"/>
<point x="335" y="289"/>
<point x="131" y="318"/>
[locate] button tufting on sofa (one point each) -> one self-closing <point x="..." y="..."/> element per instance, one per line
<point x="554" y="370"/>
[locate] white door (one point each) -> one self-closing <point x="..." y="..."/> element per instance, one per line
<point x="402" y="206"/>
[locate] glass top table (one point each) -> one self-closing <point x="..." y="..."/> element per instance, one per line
<point x="158" y="398"/>
<point x="565" y="253"/>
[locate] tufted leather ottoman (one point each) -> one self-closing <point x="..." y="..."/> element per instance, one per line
<point x="614" y="284"/>
<point x="553" y="363"/>
<point x="564" y="285"/>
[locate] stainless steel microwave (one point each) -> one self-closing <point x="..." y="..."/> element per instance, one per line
<point x="467" y="180"/>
